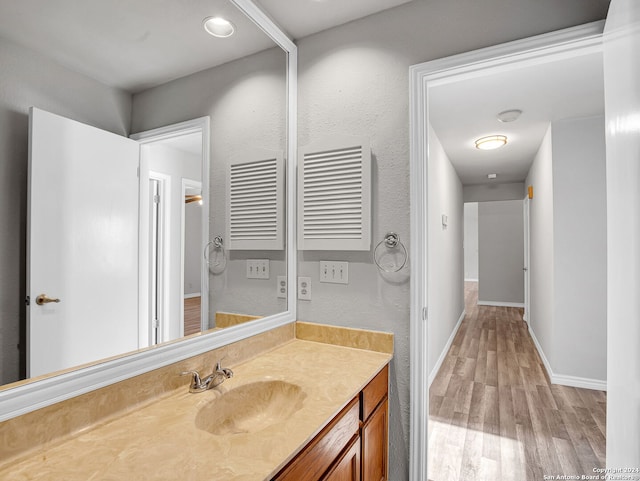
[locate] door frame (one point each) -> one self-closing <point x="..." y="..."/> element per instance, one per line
<point x="526" y="224"/>
<point x="199" y="125"/>
<point x="565" y="43"/>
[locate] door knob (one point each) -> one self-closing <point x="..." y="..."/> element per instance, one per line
<point x="42" y="299"/>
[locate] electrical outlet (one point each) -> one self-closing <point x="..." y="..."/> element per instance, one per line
<point x="257" y="268"/>
<point x="334" y="272"/>
<point x="304" y="288"/>
<point x="282" y="287"/>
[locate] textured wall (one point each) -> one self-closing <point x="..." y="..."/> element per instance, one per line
<point x="29" y="79"/>
<point x="245" y="100"/>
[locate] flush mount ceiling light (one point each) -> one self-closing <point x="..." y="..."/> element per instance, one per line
<point x="491" y="142"/>
<point x="218" y="27"/>
<point x="509" y="115"/>
<point x="492" y="176"/>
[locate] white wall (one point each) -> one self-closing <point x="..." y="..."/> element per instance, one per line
<point x="470" y="241"/>
<point x="445" y="257"/>
<point x="622" y="100"/>
<point x="246" y="102"/>
<point x="29" y="79"/>
<point x="541" y="247"/>
<point x="580" y="244"/>
<point x="501" y="253"/>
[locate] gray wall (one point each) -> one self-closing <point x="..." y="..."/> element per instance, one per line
<point x="580" y="245"/>
<point x="493" y="192"/>
<point x="29" y="79"/>
<point x="445" y="261"/>
<point x="501" y="258"/>
<point x="471" y="241"/>
<point x="353" y="80"/>
<point x="192" y="248"/>
<point x="568" y="249"/>
<point x="541" y="246"/>
<point x="246" y="102"/>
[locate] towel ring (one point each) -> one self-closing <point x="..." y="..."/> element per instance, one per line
<point x="391" y="241"/>
<point x="218" y="243"/>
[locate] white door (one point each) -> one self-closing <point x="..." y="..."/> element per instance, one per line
<point x="527" y="257"/>
<point x="82" y="238"/>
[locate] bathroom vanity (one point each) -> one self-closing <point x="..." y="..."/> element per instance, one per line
<point x="353" y="446"/>
<point x="306" y="402"/>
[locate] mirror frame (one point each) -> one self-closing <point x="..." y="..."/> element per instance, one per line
<point x="30" y="395"/>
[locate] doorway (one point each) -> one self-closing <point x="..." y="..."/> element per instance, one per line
<point x="472" y="66"/>
<point x="176" y="157"/>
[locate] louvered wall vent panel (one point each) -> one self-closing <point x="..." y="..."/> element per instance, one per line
<point x="255" y="202"/>
<point x="334" y="195"/>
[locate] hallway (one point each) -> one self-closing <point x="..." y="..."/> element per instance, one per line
<point x="495" y="416"/>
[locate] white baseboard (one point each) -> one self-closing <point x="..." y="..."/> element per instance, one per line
<point x="445" y="350"/>
<point x="500" y="303"/>
<point x="563" y="379"/>
<point x="195" y="294"/>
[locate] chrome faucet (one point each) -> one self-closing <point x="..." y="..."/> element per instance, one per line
<point x="217" y="377"/>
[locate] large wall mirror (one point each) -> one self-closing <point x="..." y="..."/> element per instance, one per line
<point x="152" y="224"/>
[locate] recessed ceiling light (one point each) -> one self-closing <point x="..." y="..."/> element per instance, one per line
<point x="218" y="27"/>
<point x="492" y="176"/>
<point x="491" y="142"/>
<point x="509" y="115"/>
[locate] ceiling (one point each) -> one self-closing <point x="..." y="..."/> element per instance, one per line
<point x="135" y="45"/>
<point x="300" y="18"/>
<point x="461" y="112"/>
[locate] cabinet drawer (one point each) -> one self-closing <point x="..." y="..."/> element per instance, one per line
<point x="316" y="458"/>
<point x="375" y="392"/>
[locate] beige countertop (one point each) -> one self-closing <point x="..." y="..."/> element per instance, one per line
<point x="162" y="440"/>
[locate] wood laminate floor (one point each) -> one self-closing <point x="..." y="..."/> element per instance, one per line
<point x="192" y="315"/>
<point x="494" y="415"/>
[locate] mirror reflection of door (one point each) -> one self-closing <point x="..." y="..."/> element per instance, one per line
<point x="82" y="244"/>
<point x="91" y="212"/>
<point x="172" y="274"/>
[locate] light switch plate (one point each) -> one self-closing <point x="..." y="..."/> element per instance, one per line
<point x="335" y="272"/>
<point x="257" y="268"/>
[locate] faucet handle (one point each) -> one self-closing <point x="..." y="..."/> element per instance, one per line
<point x="223" y="370"/>
<point x="196" y="383"/>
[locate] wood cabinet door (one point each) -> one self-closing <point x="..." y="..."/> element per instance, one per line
<point x="375" y="444"/>
<point x="347" y="468"/>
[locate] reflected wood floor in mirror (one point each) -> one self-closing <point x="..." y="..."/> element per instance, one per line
<point x="191" y="315"/>
<point x="495" y="416"/>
